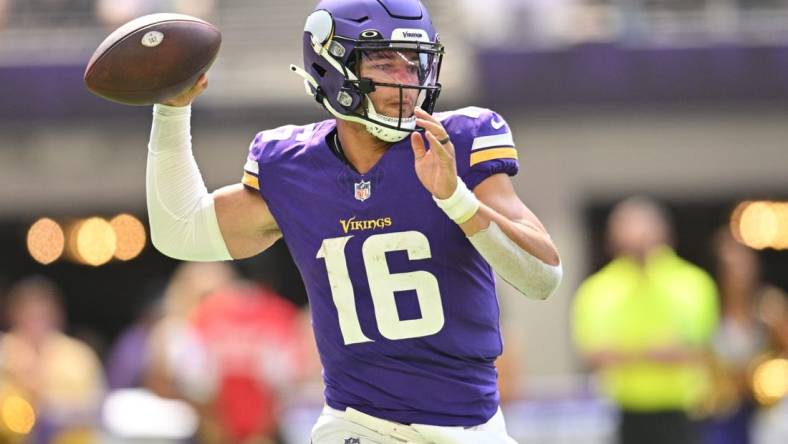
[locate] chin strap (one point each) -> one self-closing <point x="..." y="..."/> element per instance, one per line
<point x="389" y="134"/>
<point x="383" y="133"/>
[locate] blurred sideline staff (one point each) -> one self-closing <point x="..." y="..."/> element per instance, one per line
<point x="643" y="323"/>
<point x="59" y="376"/>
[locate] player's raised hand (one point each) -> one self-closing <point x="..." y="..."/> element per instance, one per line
<point x="435" y="166"/>
<point x="187" y="97"/>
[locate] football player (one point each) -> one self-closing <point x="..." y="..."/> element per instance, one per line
<point x="396" y="217"/>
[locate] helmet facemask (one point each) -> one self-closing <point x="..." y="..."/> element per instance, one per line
<point x="410" y="68"/>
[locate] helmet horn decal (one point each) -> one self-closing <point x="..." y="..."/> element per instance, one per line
<point x="320" y="25"/>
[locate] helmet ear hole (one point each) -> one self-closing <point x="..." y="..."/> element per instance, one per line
<point x="319" y="70"/>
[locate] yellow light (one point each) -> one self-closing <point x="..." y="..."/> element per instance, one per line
<point x="95" y="241"/>
<point x="735" y="222"/>
<point x="759" y="225"/>
<point x="770" y="381"/>
<point x="781" y="239"/>
<point x="45" y="241"/>
<point x="130" y="234"/>
<point x="72" y="252"/>
<point x="18" y="415"/>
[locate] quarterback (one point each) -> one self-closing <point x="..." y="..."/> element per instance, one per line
<point x="397" y="218"/>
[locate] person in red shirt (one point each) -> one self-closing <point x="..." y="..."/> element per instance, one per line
<point x="253" y="341"/>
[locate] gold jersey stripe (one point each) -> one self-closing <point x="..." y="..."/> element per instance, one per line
<point x="251" y="181"/>
<point x="493" y="153"/>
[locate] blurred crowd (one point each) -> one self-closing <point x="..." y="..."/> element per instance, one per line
<point x="205" y="363"/>
<point x="685" y="356"/>
<point x="493" y="22"/>
<point x="109" y="13"/>
<point x="551" y="23"/>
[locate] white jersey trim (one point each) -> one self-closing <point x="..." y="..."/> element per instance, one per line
<point x="496" y="140"/>
<point x="252" y="167"/>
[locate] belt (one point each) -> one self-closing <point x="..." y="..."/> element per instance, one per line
<point x="400" y="432"/>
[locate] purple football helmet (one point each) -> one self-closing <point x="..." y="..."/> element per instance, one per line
<point x="340" y="34"/>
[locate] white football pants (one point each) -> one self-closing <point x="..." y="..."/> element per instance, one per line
<point x="353" y="427"/>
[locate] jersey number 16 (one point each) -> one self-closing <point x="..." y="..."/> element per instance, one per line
<point x="383" y="286"/>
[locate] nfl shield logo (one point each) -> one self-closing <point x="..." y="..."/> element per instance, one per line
<point x="363" y="190"/>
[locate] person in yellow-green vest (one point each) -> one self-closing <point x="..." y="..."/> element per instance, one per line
<point x="643" y="324"/>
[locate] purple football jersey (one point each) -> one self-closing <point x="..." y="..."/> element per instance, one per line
<point x="404" y="308"/>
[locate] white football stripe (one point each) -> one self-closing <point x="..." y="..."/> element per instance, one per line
<point x="492" y="141"/>
<point x="251" y="166"/>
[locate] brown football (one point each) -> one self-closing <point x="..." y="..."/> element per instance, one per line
<point x="152" y="58"/>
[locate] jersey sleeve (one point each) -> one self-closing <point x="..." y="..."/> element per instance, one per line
<point x="251" y="175"/>
<point x="268" y="146"/>
<point x="483" y="142"/>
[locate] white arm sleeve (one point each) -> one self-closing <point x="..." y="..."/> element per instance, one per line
<point x="526" y="273"/>
<point x="181" y="211"/>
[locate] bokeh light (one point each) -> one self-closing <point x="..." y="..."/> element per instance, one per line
<point x="45" y="241"/>
<point x="781" y="240"/>
<point x="770" y="381"/>
<point x="18" y="415"/>
<point x="130" y="235"/>
<point x="95" y="241"/>
<point x="735" y="223"/>
<point x="759" y="225"/>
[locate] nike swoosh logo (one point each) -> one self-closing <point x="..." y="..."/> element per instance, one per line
<point x="497" y="123"/>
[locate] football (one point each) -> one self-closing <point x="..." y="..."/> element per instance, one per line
<point x="152" y="58"/>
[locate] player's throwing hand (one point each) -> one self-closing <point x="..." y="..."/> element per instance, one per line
<point x="188" y="96"/>
<point x="436" y="167"/>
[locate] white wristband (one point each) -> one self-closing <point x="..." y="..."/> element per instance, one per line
<point x="461" y="205"/>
